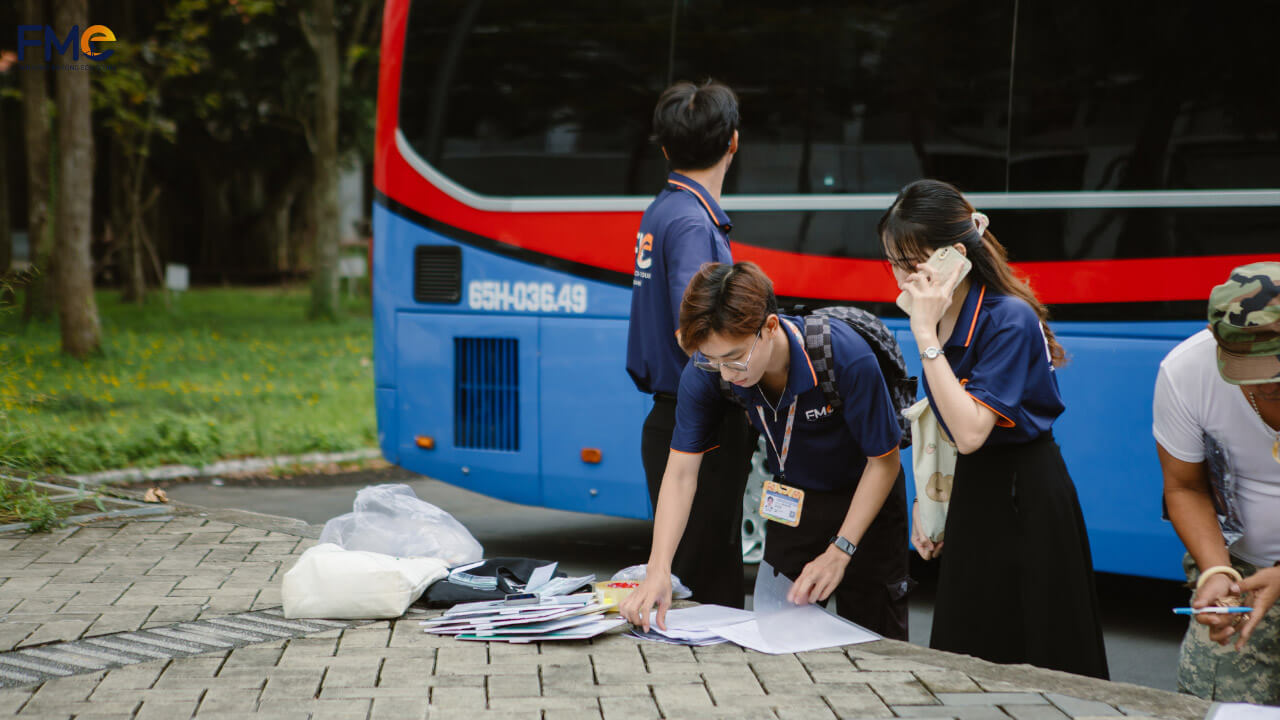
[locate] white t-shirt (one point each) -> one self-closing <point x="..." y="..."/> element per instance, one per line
<point x="1192" y="401"/>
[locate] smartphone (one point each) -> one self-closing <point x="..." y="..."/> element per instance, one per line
<point x="943" y="261"/>
<point x="527" y="598"/>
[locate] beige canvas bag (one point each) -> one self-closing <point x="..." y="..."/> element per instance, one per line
<point x="933" y="462"/>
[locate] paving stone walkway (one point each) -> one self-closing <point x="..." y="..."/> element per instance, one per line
<point x="204" y="563"/>
<point x="129" y="575"/>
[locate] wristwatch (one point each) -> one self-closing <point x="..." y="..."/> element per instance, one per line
<point x="843" y="545"/>
<point x="930" y="353"/>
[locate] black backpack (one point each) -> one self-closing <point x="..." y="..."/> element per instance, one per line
<point x="817" y="341"/>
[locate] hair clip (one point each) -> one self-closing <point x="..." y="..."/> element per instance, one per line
<point x="981" y="222"/>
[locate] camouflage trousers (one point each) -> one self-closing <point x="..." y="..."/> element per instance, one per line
<point x="1220" y="672"/>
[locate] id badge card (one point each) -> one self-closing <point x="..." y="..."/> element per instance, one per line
<point x="781" y="503"/>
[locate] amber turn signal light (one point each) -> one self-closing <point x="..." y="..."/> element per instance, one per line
<point x="591" y="455"/>
<point x="426" y="442"/>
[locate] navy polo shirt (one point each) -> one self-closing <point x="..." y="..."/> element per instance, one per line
<point x="683" y="228"/>
<point x="829" y="448"/>
<point x="999" y="353"/>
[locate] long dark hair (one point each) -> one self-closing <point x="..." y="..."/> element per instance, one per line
<point x="929" y="214"/>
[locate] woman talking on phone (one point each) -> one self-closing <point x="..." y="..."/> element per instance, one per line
<point x="1016" y="579"/>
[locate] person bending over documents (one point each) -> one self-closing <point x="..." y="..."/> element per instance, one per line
<point x="837" y="509"/>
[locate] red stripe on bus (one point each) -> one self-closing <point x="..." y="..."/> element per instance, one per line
<point x="607" y="239"/>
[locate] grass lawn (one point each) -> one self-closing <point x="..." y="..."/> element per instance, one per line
<point x="228" y="372"/>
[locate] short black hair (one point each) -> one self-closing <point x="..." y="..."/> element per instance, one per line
<point x="695" y="123"/>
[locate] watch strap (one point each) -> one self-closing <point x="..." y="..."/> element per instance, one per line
<point x="843" y="545"/>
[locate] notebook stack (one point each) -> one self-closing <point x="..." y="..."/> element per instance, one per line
<point x="567" y="617"/>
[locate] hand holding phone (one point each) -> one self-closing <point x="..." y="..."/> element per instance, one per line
<point x="943" y="262"/>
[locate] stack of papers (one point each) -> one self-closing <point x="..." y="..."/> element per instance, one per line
<point x="775" y="626"/>
<point x="571" y="617"/>
<point x="693" y="626"/>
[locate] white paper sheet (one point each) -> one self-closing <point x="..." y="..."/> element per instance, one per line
<point x="778" y="626"/>
<point x="769" y="598"/>
<point x="802" y="628"/>
<point x="705" y="617"/>
<point x="1242" y="711"/>
<point x="539" y="577"/>
<point x="770" y="593"/>
<point x="695" y="625"/>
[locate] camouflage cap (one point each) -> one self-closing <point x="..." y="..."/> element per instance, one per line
<point x="1244" y="316"/>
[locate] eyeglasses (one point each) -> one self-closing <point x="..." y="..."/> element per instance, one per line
<point x="701" y="362"/>
<point x="900" y="261"/>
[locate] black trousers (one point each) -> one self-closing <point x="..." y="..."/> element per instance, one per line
<point x="873" y="592"/>
<point x="709" y="558"/>
<point x="1016" y="540"/>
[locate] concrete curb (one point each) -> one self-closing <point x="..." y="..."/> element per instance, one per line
<point x="225" y="467"/>
<point x="247" y="518"/>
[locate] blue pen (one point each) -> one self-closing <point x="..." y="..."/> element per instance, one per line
<point x="1212" y="610"/>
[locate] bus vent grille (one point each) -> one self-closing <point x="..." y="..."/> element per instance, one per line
<point x="437" y="273"/>
<point x="486" y="395"/>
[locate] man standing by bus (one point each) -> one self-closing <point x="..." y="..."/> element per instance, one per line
<point x="684" y="227"/>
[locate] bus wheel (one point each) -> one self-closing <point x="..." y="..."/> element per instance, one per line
<point x="752" y="523"/>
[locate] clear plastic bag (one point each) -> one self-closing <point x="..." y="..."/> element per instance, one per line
<point x="636" y="573"/>
<point x="390" y="519"/>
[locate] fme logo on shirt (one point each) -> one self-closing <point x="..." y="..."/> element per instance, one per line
<point x="818" y="413"/>
<point x="644" y="245"/>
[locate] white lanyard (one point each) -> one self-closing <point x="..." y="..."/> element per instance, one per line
<point x="786" y="437"/>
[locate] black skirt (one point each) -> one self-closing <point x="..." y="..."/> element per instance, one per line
<point x="1016" y="582"/>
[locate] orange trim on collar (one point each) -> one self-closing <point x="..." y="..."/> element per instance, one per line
<point x="701" y="199"/>
<point x="803" y="349"/>
<point x="686" y="452"/>
<point x="976" y="309"/>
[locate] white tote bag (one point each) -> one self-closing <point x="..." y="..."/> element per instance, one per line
<point x="329" y="582"/>
<point x="933" y="462"/>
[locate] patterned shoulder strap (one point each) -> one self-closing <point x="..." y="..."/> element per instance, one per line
<point x="902" y="386"/>
<point x="817" y="342"/>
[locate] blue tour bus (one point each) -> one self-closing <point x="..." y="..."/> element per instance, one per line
<point x="513" y="162"/>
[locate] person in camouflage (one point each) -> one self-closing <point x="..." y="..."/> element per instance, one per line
<point x="1217" y="430"/>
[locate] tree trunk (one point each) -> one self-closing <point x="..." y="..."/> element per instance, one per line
<point x="302" y="228"/>
<point x="6" y="218"/>
<point x="135" y="279"/>
<point x="271" y="227"/>
<point x="126" y="224"/>
<point x="35" y="118"/>
<point x="323" y="37"/>
<point x="77" y="308"/>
